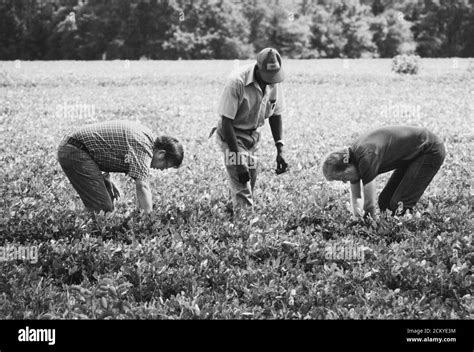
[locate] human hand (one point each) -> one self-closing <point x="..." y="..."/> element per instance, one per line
<point x="282" y="165"/>
<point x="113" y="191"/>
<point x="243" y="174"/>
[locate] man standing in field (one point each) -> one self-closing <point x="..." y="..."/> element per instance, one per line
<point x="251" y="95"/>
<point x="115" y="146"/>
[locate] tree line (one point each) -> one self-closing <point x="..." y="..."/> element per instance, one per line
<point x="233" y="29"/>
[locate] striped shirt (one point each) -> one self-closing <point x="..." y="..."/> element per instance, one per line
<point x="119" y="146"/>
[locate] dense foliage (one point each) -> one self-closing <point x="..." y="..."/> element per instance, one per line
<point x="188" y="259"/>
<point x="229" y="29"/>
<point x="406" y="64"/>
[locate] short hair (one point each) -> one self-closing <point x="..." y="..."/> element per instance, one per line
<point x="172" y="147"/>
<point x="335" y="163"/>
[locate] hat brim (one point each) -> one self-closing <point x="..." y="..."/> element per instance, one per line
<point x="273" y="78"/>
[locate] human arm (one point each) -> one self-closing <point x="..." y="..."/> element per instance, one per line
<point x="363" y="205"/>
<point x="369" y="198"/>
<point x="356" y="200"/>
<point x="231" y="140"/>
<point x="144" y="195"/>
<point x="229" y="134"/>
<point x="368" y="165"/>
<point x="113" y="191"/>
<point x="277" y="131"/>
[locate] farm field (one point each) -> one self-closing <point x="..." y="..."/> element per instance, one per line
<point x="188" y="260"/>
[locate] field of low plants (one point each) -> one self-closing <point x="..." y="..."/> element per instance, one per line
<point x="188" y="259"/>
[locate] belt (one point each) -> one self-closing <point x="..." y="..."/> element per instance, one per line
<point x="247" y="132"/>
<point x="78" y="144"/>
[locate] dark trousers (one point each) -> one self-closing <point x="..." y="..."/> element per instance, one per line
<point x="86" y="178"/>
<point x="408" y="182"/>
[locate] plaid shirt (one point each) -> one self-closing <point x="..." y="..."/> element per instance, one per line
<point x="119" y="146"/>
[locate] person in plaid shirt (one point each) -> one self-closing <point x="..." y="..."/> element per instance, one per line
<point x="115" y="146"/>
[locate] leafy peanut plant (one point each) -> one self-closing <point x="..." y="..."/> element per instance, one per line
<point x="188" y="259"/>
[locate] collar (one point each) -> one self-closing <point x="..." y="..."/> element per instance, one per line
<point x="351" y="155"/>
<point x="250" y="79"/>
<point x="250" y="75"/>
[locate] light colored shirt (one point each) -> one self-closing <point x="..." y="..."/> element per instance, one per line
<point x="119" y="146"/>
<point x="243" y="102"/>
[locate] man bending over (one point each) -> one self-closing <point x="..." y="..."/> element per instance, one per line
<point x="115" y="146"/>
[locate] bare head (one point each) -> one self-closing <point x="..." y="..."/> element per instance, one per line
<point x="337" y="166"/>
<point x="167" y="153"/>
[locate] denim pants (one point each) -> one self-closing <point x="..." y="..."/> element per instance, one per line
<point x="241" y="194"/>
<point x="407" y="183"/>
<point x="86" y="178"/>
